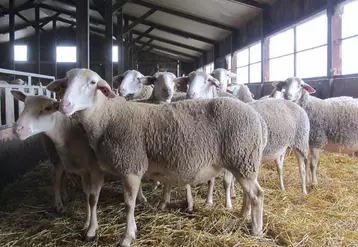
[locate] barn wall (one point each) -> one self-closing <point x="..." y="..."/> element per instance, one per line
<point x="67" y="37"/>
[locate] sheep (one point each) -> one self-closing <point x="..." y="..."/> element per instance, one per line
<point x="333" y="122"/>
<point x="130" y="87"/>
<point x="41" y="115"/>
<point x="186" y="142"/>
<point x="287" y="123"/>
<point x="224" y="76"/>
<point x="164" y="86"/>
<point x="3" y="82"/>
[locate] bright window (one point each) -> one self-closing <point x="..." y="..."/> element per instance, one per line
<point x="228" y="61"/>
<point x="281" y="68"/>
<point x="115" y="54"/>
<point x="248" y="64"/>
<point x="20" y="53"/>
<point x="66" y="54"/>
<point x="209" y="68"/>
<point x="350" y="38"/>
<point x="310" y="52"/>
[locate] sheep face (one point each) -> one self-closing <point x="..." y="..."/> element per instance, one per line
<point x="292" y="88"/>
<point x="164" y="85"/>
<point x="201" y="85"/>
<point x="37" y="116"/>
<point x="223" y="76"/>
<point x="128" y="83"/>
<point x="82" y="87"/>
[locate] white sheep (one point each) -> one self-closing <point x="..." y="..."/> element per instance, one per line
<point x="224" y="76"/>
<point x="130" y="87"/>
<point x="41" y="115"/>
<point x="187" y="142"/>
<point x="334" y="122"/>
<point x="287" y="123"/>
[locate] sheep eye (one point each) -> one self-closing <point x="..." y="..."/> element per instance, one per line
<point x="48" y="108"/>
<point x="93" y="82"/>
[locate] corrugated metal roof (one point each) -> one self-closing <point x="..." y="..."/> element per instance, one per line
<point x="179" y="21"/>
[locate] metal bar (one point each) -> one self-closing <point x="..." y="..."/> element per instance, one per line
<point x="44" y="23"/>
<point x="28" y="5"/>
<point x="120" y="42"/>
<point x="141" y="35"/>
<point x="4" y="10"/>
<point x="171" y="30"/>
<point x="108" y="66"/>
<point x="251" y="3"/>
<point x="118" y="5"/>
<point x="183" y="15"/>
<point x="54" y="29"/>
<point x="70" y="13"/>
<point x="139" y="20"/>
<point x="15" y="72"/>
<point x="171" y="42"/>
<point x="82" y="34"/>
<point x="294" y="51"/>
<point x="144" y="45"/>
<point x="12" y="33"/>
<point x="169" y="50"/>
<point x="125" y="46"/>
<point x="38" y="40"/>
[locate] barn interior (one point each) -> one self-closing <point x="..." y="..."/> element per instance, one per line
<point x="261" y="41"/>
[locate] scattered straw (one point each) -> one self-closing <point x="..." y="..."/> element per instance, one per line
<point x="327" y="216"/>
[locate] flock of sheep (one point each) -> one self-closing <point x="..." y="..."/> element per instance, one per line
<point x="182" y="131"/>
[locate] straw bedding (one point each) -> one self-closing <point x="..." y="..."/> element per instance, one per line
<point x="327" y="216"/>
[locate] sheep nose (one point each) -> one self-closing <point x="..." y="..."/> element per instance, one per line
<point x="191" y="95"/>
<point x="66" y="103"/>
<point x="18" y="128"/>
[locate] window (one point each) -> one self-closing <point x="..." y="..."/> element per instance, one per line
<point x="115" y="54"/>
<point x="281" y="56"/>
<point x="228" y="61"/>
<point x="209" y="68"/>
<point x="310" y="52"/>
<point x="248" y="64"/>
<point x="311" y="46"/>
<point x="66" y="54"/>
<point x="350" y="38"/>
<point x="20" y="53"/>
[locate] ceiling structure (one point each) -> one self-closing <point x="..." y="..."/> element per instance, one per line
<point x="178" y="29"/>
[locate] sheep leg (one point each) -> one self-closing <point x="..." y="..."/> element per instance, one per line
<point x="141" y="197"/>
<point x="189" y="198"/>
<point x="228" y="180"/>
<point x="301" y="162"/>
<point x="211" y="184"/>
<point x="157" y="183"/>
<point x="131" y="184"/>
<point x="232" y="188"/>
<point x="315" y="154"/>
<point x="58" y="174"/>
<point x="166" y="196"/>
<point x="96" y="179"/>
<point x="86" y="185"/>
<point x="246" y="206"/>
<point x="255" y="195"/>
<point x="279" y="165"/>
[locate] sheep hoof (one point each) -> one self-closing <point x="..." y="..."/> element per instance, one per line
<point x="89" y="238"/>
<point x="163" y="206"/>
<point x="60" y="210"/>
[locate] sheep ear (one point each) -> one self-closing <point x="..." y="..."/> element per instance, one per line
<point x="214" y="82"/>
<point x="57" y="85"/>
<point x="103" y="86"/>
<point x="18" y="95"/>
<point x="233" y="75"/>
<point x="182" y="83"/>
<point x="308" y="88"/>
<point x="277" y="83"/>
<point x="147" y="80"/>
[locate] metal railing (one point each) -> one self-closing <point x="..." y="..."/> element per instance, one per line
<point x="29" y="75"/>
<point x="10" y="108"/>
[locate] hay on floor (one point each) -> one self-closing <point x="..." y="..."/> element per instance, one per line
<point x="327" y="216"/>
